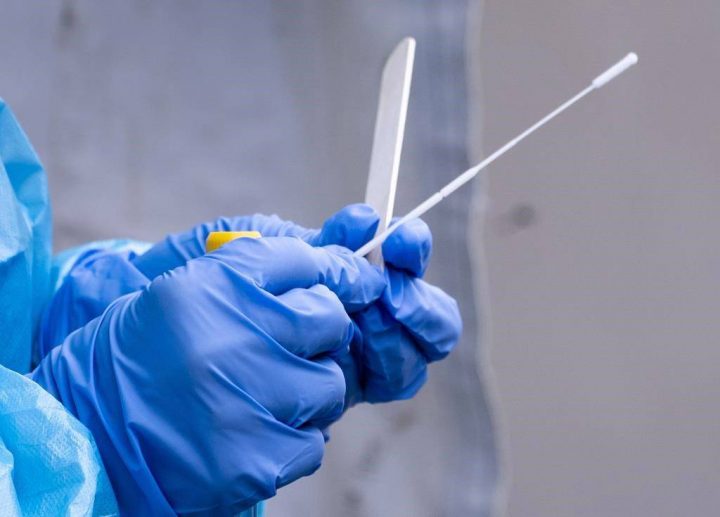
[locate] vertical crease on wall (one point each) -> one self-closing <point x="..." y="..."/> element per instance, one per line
<point x="476" y="249"/>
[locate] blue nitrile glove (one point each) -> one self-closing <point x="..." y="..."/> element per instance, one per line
<point x="350" y="227"/>
<point x="413" y="324"/>
<point x="207" y="389"/>
<point x="103" y="271"/>
<point x="421" y="319"/>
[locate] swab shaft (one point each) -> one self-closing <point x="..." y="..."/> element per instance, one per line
<point x="469" y="174"/>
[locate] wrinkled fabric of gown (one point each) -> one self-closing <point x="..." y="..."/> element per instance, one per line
<point x="49" y="464"/>
<point x="164" y="115"/>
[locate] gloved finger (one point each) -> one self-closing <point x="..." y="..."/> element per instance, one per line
<point x="269" y="226"/>
<point x="306" y="459"/>
<point x="429" y="314"/>
<point x="279" y="264"/>
<point x="409" y="247"/>
<point x="393" y="367"/>
<point x="303" y="391"/>
<point x="297" y="391"/>
<point x="176" y="249"/>
<point x="313" y="393"/>
<point x="351" y="364"/>
<point x="322" y="403"/>
<point x="247" y="459"/>
<point x="350" y="227"/>
<point x="306" y="322"/>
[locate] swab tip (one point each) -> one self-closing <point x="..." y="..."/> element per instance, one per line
<point x="615" y="70"/>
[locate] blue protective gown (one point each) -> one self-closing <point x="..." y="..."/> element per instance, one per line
<point x="49" y="463"/>
<point x="48" y="460"/>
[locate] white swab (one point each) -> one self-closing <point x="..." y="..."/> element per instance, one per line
<point x="600" y="81"/>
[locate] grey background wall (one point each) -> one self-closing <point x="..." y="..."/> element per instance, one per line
<point x="601" y="246"/>
<point x="604" y="256"/>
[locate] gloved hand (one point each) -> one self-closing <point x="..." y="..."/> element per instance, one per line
<point x="414" y="323"/>
<point x="98" y="275"/>
<point x="207" y="389"/>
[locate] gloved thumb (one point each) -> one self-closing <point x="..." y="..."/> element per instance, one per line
<point x="409" y="248"/>
<point x="351" y="227"/>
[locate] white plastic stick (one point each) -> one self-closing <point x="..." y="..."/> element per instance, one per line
<point x="600" y="81"/>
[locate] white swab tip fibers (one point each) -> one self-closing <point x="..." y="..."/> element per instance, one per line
<point x="615" y="70"/>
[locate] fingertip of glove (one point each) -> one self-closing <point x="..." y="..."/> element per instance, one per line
<point x="359" y="211"/>
<point x="409" y="248"/>
<point x="381" y="392"/>
<point x="326" y="434"/>
<point x="308" y="459"/>
<point x="350" y="227"/>
<point x="453" y="331"/>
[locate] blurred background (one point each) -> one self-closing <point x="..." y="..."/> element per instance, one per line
<point x="586" y="262"/>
